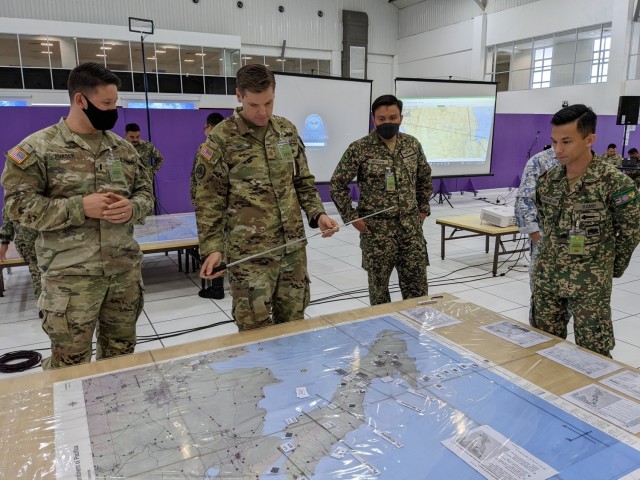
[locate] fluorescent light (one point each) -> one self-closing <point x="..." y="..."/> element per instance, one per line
<point x="247" y="58"/>
<point x="100" y="55"/>
<point x="47" y="52"/>
<point x="161" y="51"/>
<point x="105" y="48"/>
<point x="47" y="44"/>
<point x="189" y="60"/>
<point x="151" y="58"/>
<point x="201" y="54"/>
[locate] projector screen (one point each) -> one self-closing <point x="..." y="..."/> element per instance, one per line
<point x="453" y="120"/>
<point x="329" y="113"/>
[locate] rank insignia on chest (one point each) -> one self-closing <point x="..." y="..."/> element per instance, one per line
<point x="17" y="155"/>
<point x="206" y="152"/>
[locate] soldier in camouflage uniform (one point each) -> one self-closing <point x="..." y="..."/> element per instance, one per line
<point x="25" y="240"/>
<point x="525" y="205"/>
<point x="611" y="155"/>
<point x="589" y="213"/>
<point x="392" y="171"/>
<point x="216" y="289"/>
<point x="149" y="154"/>
<point x="83" y="188"/>
<point x="252" y="180"/>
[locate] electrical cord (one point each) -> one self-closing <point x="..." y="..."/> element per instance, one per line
<point x="8" y="363"/>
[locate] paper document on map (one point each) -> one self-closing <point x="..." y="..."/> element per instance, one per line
<point x="607" y="405"/>
<point x="583" y="362"/>
<point x="497" y="458"/>
<point x="514" y="333"/>
<point x="627" y="382"/>
<point x="430" y="318"/>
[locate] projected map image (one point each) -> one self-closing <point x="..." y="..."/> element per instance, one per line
<point x="455" y="130"/>
<point x="370" y="399"/>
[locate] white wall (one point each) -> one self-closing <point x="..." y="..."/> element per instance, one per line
<point x="454" y="48"/>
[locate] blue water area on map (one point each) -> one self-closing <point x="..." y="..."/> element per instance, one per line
<point x="465" y="396"/>
<point x="165" y="228"/>
<point x="484" y="119"/>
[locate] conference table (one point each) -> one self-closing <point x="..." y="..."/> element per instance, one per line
<point x="162" y="233"/>
<point x="473" y="223"/>
<point x="435" y="387"/>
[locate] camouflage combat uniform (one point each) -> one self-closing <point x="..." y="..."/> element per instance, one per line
<point x="249" y="194"/>
<point x="147" y="152"/>
<point x="394" y="238"/>
<point x="615" y="160"/>
<point x="605" y="207"/>
<point x="25" y="240"/>
<point x="91" y="267"/>
<point x="525" y="206"/>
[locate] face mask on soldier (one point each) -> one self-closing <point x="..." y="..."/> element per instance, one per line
<point x="100" y="119"/>
<point x="388" y="130"/>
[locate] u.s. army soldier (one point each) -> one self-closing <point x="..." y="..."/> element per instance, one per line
<point x="25" y="241"/>
<point x="392" y="171"/>
<point x="252" y="180"/>
<point x="83" y="187"/>
<point x="589" y="213"/>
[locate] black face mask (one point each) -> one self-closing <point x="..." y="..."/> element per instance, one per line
<point x="100" y="119"/>
<point x="388" y="130"/>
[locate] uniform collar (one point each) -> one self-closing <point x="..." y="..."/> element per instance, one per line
<point x="593" y="174"/>
<point x="71" y="137"/>
<point x="244" y="128"/>
<point x="375" y="138"/>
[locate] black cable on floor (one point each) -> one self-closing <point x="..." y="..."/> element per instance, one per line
<point x="8" y="363"/>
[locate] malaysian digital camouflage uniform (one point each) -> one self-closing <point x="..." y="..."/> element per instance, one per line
<point x="394" y="238"/>
<point x="604" y="205"/>
<point x="147" y="152"/>
<point x="25" y="240"/>
<point x="91" y="267"/>
<point x="615" y="160"/>
<point x="249" y="194"/>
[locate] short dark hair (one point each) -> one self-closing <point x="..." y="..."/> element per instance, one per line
<point x="256" y="78"/>
<point x="132" y="127"/>
<point x="585" y="117"/>
<point x="214" y="118"/>
<point x="86" y="77"/>
<point x="385" y="101"/>
<point x="612" y="145"/>
<point x="633" y="150"/>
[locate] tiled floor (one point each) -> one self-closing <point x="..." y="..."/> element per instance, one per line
<point x="338" y="284"/>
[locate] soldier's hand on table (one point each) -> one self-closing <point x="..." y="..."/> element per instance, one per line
<point x="327" y="225"/>
<point x="95" y="204"/>
<point x="3" y="252"/>
<point x="360" y="225"/>
<point x="120" y="211"/>
<point x="213" y="260"/>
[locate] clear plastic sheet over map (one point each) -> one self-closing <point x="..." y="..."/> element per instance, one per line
<point x="391" y="396"/>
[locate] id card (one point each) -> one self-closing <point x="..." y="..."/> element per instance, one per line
<point x="116" y="170"/>
<point x="285" y="151"/>
<point x="576" y="242"/>
<point x="390" y="181"/>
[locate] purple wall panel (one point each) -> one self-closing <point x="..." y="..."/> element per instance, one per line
<point x="178" y="133"/>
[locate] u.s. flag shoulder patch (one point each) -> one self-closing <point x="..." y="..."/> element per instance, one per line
<point x="18" y="155"/>
<point x="625" y="196"/>
<point x="206" y="151"/>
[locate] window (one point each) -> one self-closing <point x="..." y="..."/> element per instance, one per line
<point x="600" y="66"/>
<point x="542" y="67"/>
<point x="570" y="57"/>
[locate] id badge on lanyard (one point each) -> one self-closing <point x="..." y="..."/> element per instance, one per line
<point x="286" y="154"/>
<point x="114" y="165"/>
<point x="576" y="240"/>
<point x="390" y="180"/>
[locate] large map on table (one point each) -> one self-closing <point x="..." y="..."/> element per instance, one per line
<point x="371" y="399"/>
<point x="163" y="228"/>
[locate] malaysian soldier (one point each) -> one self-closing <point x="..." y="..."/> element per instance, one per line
<point x="216" y="289"/>
<point x="149" y="154"/>
<point x="589" y="214"/>
<point x="252" y="181"/>
<point x="83" y="188"/>
<point x="611" y="155"/>
<point x="25" y="240"/>
<point x="391" y="171"/>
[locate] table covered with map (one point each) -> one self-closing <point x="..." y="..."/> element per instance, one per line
<point x="438" y="390"/>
